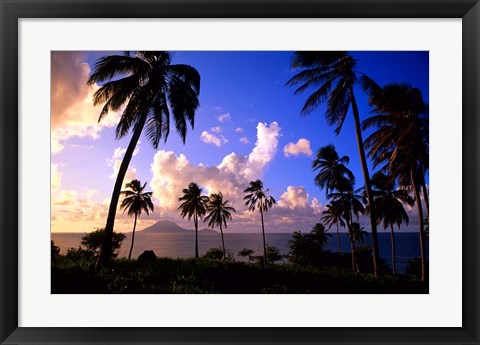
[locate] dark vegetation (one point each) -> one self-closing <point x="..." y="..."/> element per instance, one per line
<point x="307" y="268"/>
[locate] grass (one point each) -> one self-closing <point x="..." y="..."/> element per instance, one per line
<point x="197" y="276"/>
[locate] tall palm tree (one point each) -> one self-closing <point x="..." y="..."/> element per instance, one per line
<point x="152" y="90"/>
<point x="400" y="143"/>
<point x="218" y="214"/>
<point x="333" y="175"/>
<point x="258" y="198"/>
<point x="389" y="202"/>
<point x="136" y="201"/>
<point x="333" y="75"/>
<point x="350" y="203"/>
<point x="332" y="214"/>
<point x="193" y="206"/>
<point x="332" y="169"/>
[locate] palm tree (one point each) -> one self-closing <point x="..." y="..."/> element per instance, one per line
<point x="332" y="214"/>
<point x="193" y="206"/>
<point x="349" y="202"/>
<point x="218" y="214"/>
<point x="333" y="76"/>
<point x="332" y="169"/>
<point x="257" y="198"/>
<point x="358" y="233"/>
<point x="400" y="144"/>
<point x="320" y="235"/>
<point x="135" y="202"/>
<point x="389" y="203"/>
<point x="151" y="90"/>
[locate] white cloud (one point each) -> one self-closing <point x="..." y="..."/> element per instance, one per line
<point x="172" y="173"/>
<point x="294" y="197"/>
<point x="217" y="129"/>
<point x="301" y="147"/>
<point x="244" y="140"/>
<point x="210" y="138"/>
<point x="116" y="161"/>
<point x="265" y="149"/>
<point x="239" y="130"/>
<point x="224" y="117"/>
<point x="72" y="110"/>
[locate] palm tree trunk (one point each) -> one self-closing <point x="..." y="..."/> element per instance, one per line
<point x="106" y="251"/>
<point x="133" y="237"/>
<point x="368" y="185"/>
<point x="264" y="244"/>
<point x="392" y="238"/>
<point x="425" y="196"/>
<point x="195" y="221"/>
<point x="223" y="242"/>
<point x="338" y="239"/>
<point x="355" y="267"/>
<point x="420" y="218"/>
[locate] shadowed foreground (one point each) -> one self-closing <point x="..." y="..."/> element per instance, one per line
<point x="212" y="276"/>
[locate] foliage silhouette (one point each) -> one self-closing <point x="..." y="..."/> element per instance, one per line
<point x="400" y="143"/>
<point x="135" y="202"/>
<point x="332" y="75"/>
<point x="193" y="206"/>
<point x="258" y="198"/>
<point x="152" y="90"/>
<point x="218" y="214"/>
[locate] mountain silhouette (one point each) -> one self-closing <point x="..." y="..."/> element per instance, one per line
<point x="168" y="227"/>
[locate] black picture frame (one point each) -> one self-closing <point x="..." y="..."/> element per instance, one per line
<point x="11" y="11"/>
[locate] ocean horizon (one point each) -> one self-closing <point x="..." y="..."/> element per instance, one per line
<point x="182" y="245"/>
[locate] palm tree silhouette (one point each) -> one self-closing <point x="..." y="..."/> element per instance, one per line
<point x="332" y="214"/>
<point x="350" y="202"/>
<point x="333" y="76"/>
<point x="257" y="198"/>
<point x="400" y="144"/>
<point x="152" y="90"/>
<point x="218" y="214"/>
<point x="320" y="235"/>
<point x="389" y="203"/>
<point x="193" y="206"/>
<point x="332" y="169"/>
<point x="333" y="175"/>
<point x="134" y="203"/>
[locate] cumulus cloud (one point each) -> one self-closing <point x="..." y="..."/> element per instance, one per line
<point x="301" y="147"/>
<point x="217" y="129"/>
<point x="239" y="130"/>
<point x="265" y="148"/>
<point x="72" y="110"/>
<point x="244" y="140"/>
<point x="209" y="138"/>
<point x="294" y="197"/>
<point x="224" y="117"/>
<point x="116" y="161"/>
<point x="172" y="173"/>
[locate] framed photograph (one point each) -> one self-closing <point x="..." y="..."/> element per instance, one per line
<point x="204" y="273"/>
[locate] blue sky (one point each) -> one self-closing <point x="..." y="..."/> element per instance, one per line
<point x="247" y="118"/>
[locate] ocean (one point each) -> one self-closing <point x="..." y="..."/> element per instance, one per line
<point x="179" y="245"/>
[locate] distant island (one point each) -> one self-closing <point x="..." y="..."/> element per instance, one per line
<point x="168" y="227"/>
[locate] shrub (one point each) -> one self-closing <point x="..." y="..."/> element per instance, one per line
<point x="214" y="254"/>
<point x="246" y="252"/>
<point x="304" y="249"/>
<point x="92" y="242"/>
<point x="55" y="251"/>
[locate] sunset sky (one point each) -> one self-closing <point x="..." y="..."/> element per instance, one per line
<point x="248" y="127"/>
